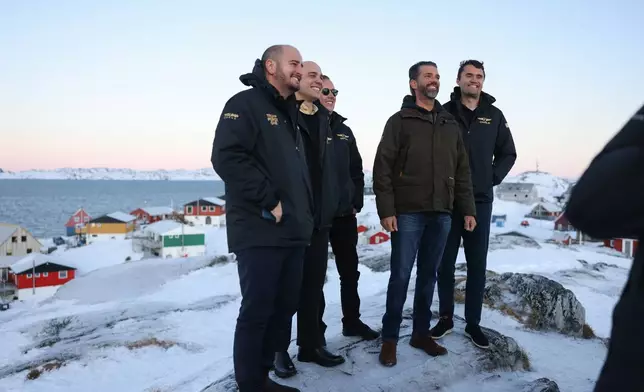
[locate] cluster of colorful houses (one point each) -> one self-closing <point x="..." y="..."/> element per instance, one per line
<point x="164" y="232"/>
<point x="563" y="231"/>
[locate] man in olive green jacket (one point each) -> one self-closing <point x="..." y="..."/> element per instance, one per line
<point x="421" y="171"/>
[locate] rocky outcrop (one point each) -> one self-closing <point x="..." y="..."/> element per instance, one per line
<point x="541" y="385"/>
<point x="415" y="371"/>
<point x="534" y="300"/>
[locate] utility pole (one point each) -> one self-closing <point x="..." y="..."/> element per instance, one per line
<point x="33" y="275"/>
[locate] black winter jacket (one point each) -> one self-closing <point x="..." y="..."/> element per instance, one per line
<point x="488" y="141"/>
<point x="608" y="202"/>
<point x="325" y="192"/>
<point x="258" y="153"/>
<point x="349" y="167"/>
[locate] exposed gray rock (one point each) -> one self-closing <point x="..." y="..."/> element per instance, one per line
<point x="415" y="371"/>
<point x="379" y="262"/>
<point x="534" y="300"/>
<point x="512" y="240"/>
<point x="541" y="385"/>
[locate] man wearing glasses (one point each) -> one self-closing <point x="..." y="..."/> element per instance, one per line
<point x="344" y="231"/>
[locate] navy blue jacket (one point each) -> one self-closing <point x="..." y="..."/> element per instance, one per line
<point x="488" y="142"/>
<point x="348" y="162"/>
<point x="258" y="153"/>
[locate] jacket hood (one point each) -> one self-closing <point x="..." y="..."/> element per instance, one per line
<point x="257" y="79"/>
<point x="409" y="102"/>
<point x="486" y="99"/>
<point x="336" y="119"/>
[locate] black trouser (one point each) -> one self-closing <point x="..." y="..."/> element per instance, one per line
<point x="270" y="280"/>
<point x="309" y="333"/>
<point x="475" y="244"/>
<point x="344" y="239"/>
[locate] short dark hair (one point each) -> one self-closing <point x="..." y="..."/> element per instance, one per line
<point x="474" y="63"/>
<point x="414" y="71"/>
<point x="272" y="53"/>
<point x="325" y="77"/>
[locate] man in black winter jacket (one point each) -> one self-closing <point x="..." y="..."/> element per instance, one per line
<point x="608" y="202"/>
<point x="344" y="231"/>
<point x="492" y="154"/>
<point x="258" y="152"/>
<point x="313" y="124"/>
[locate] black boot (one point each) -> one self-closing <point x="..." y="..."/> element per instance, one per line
<point x="320" y="356"/>
<point x="283" y="365"/>
<point x="359" y="329"/>
<point x="272" y="386"/>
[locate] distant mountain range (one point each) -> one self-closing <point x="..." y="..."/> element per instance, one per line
<point x="112" y="174"/>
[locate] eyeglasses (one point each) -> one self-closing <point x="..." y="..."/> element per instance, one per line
<point x="326" y="91"/>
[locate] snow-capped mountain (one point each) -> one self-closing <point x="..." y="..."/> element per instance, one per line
<point x="100" y="173"/>
<point x="548" y="185"/>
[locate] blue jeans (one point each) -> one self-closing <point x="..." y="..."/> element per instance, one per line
<point x="422" y="234"/>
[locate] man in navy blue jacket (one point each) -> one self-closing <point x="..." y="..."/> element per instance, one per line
<point x="344" y="232"/>
<point x="492" y="154"/>
<point x="258" y="152"/>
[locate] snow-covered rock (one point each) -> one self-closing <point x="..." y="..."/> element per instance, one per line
<point x="535" y="301"/>
<point x="100" y="173"/>
<point x="415" y="371"/>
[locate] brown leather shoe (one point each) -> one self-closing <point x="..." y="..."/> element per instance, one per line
<point x="427" y="344"/>
<point x="388" y="354"/>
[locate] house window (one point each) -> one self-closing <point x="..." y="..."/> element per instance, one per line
<point x="37" y="274"/>
<point x="212" y="208"/>
<point x="9" y="253"/>
<point x="23" y="238"/>
<point x="204" y="208"/>
<point x="45" y="274"/>
<point x="28" y="276"/>
<point x="62" y="274"/>
<point x="14" y="239"/>
<point x="76" y="219"/>
<point x="29" y="250"/>
<point x="189" y="210"/>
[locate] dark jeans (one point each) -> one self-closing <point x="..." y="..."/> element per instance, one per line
<point x="310" y="307"/>
<point x="475" y="245"/>
<point x="421" y="234"/>
<point x="270" y="279"/>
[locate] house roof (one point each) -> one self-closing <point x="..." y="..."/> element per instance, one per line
<point x="560" y="236"/>
<point x="117" y="216"/>
<point x="167" y="227"/>
<point x="515" y="187"/>
<point x="208" y="201"/>
<point x="155" y="211"/>
<point x="6" y="231"/>
<point x="549" y="207"/>
<point x="32" y="260"/>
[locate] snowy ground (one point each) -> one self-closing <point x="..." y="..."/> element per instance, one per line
<point x="159" y="325"/>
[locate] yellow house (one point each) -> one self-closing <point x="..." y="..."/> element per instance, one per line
<point x="110" y="226"/>
<point x="17" y="241"/>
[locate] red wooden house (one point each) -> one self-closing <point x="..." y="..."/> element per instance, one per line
<point x="378" y="238"/>
<point x="77" y="221"/>
<point x="148" y="215"/>
<point x="627" y="246"/>
<point x="562" y="224"/>
<point x="39" y="270"/>
<point x="209" y="211"/>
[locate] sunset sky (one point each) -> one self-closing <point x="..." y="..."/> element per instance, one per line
<point x="141" y="84"/>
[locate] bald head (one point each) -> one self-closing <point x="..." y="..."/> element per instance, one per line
<point x="283" y="67"/>
<point x="311" y="83"/>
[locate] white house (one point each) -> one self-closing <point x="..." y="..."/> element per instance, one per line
<point x="171" y="239"/>
<point x="525" y="193"/>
